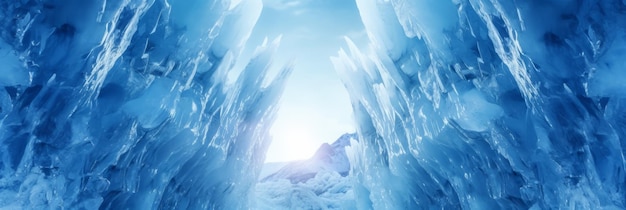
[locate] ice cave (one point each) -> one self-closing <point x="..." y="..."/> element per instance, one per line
<point x="456" y="104"/>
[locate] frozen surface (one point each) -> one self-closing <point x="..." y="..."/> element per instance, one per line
<point x="327" y="190"/>
<point x="488" y="104"/>
<point x="122" y="104"/>
<point x="320" y="182"/>
<point x="328" y="157"/>
<point x="460" y="104"/>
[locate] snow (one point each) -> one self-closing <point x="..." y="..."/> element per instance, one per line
<point x="459" y="104"/>
<point x="327" y="190"/>
<point x="328" y="157"/>
<point x="320" y="182"/>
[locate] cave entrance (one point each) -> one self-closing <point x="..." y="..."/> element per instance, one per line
<point x="315" y="109"/>
<point x="315" y="106"/>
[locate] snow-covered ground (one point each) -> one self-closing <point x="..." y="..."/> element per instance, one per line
<point x="327" y="190"/>
<point x="320" y="182"/>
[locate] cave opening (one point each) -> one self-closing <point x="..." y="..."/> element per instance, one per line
<point x="314" y="122"/>
<point x="315" y="107"/>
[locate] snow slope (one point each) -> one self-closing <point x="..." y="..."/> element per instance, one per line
<point x="329" y="157"/>
<point x="320" y="182"/>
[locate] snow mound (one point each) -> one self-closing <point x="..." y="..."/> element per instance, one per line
<point x="329" y="157"/>
<point x="321" y="182"/>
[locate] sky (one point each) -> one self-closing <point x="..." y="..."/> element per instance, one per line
<point x="315" y="106"/>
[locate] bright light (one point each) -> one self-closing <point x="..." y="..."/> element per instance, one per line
<point x="301" y="128"/>
<point x="293" y="141"/>
<point x="315" y="107"/>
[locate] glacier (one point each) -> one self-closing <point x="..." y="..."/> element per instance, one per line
<point x="459" y="104"/>
<point x="487" y="104"/>
<point x="125" y="104"/>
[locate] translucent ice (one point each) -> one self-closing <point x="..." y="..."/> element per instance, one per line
<point x="472" y="104"/>
<point x="487" y="104"/>
<point x="123" y="104"/>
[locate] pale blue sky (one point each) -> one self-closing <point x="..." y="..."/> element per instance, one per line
<point x="315" y="106"/>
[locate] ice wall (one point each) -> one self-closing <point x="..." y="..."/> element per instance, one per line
<point x="488" y="104"/>
<point x="122" y="104"/>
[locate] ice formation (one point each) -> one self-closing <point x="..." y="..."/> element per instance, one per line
<point x="328" y="157"/>
<point x="327" y="190"/>
<point x="124" y="104"/>
<point x="320" y="182"/>
<point x="460" y="104"/>
<point x="488" y="104"/>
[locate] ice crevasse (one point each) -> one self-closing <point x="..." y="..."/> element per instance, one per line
<point x="472" y="104"/>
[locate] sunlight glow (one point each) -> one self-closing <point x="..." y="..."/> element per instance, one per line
<point x="315" y="107"/>
<point x="294" y="141"/>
